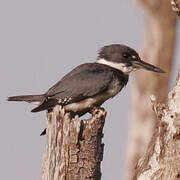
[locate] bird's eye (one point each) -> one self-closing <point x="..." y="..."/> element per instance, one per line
<point x="125" y="55"/>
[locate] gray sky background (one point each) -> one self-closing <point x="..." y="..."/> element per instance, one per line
<point x="42" y="40"/>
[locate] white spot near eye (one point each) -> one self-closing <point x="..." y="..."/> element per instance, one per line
<point x="133" y="57"/>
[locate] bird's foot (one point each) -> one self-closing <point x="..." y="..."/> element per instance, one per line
<point x="95" y="110"/>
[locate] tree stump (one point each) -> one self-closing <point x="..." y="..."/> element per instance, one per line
<point x="74" y="148"/>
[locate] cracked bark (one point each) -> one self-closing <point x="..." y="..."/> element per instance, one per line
<point x="162" y="158"/>
<point x="176" y="6"/>
<point x="159" y="40"/>
<point x="74" y="148"/>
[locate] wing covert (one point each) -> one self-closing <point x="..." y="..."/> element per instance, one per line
<point x="84" y="81"/>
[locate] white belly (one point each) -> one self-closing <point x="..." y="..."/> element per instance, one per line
<point x="80" y="106"/>
<point x="96" y="100"/>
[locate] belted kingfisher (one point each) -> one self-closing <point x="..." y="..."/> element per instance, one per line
<point x="91" y="84"/>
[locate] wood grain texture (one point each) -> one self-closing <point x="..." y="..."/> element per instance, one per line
<point x="162" y="158"/>
<point x="159" y="40"/>
<point x="74" y="148"/>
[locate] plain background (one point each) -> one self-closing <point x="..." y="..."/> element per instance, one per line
<point x="42" y="40"/>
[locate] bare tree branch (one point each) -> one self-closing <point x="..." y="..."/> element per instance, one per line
<point x="162" y="158"/>
<point x="74" y="148"/>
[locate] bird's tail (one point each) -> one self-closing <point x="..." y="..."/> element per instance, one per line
<point x="35" y="99"/>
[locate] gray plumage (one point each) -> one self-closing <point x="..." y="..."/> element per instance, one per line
<point x="91" y="84"/>
<point x="28" y="98"/>
<point x="85" y="81"/>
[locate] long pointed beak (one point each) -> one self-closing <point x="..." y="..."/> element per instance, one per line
<point x="143" y="65"/>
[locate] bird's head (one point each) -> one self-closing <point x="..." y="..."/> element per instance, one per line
<point x="124" y="58"/>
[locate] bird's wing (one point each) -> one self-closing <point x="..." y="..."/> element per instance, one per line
<point x="84" y="81"/>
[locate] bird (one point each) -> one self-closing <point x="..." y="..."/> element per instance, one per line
<point x="89" y="85"/>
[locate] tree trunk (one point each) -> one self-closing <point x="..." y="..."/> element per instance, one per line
<point x="158" y="50"/>
<point x="74" y="148"/>
<point x="162" y="158"/>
